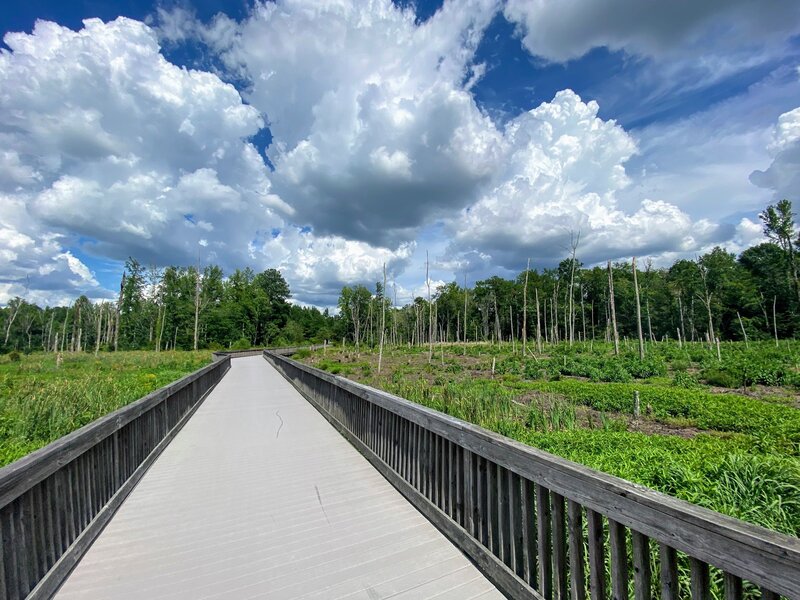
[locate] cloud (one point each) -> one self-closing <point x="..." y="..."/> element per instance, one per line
<point x="108" y="143"/>
<point x="561" y="31"/>
<point x="111" y="150"/>
<point x="379" y="135"/>
<point x="317" y="267"/>
<point x="564" y="169"/>
<point x="783" y="175"/>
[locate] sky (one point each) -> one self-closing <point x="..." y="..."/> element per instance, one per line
<point x="328" y="138"/>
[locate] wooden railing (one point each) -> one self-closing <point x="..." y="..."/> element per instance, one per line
<point x="540" y="526"/>
<point x="56" y="501"/>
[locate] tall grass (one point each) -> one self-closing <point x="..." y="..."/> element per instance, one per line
<point x="40" y="401"/>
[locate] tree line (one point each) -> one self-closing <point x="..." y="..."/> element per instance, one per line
<point x="715" y="296"/>
<point x="175" y="307"/>
<point x="718" y="295"/>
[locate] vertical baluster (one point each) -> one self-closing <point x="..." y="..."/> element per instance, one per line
<point x="700" y="579"/>
<point x="459" y="491"/>
<point x="545" y="556"/>
<point x="23" y="545"/>
<point x="441" y="472"/>
<point x="559" y="547"/>
<point x="4" y="556"/>
<point x="515" y="523"/>
<point x="597" y="559"/>
<point x="40" y="530"/>
<point x="406" y="450"/>
<point x="733" y="587"/>
<point x="619" y="560"/>
<point x="577" y="570"/>
<point x="503" y="538"/>
<point x="641" y="565"/>
<point x="491" y="506"/>
<point x="483" y="501"/>
<point x="768" y="595"/>
<point x="72" y="505"/>
<point x="468" y="492"/>
<point x="11" y="555"/>
<point x="428" y="449"/>
<point x="49" y="526"/>
<point x="529" y="547"/>
<point x="451" y="480"/>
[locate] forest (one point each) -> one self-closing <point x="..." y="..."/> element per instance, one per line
<point x="718" y="295"/>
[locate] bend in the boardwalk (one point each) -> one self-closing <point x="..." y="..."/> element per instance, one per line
<point x="259" y="497"/>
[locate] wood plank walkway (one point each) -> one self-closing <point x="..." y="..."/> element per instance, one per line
<point x="259" y="497"/>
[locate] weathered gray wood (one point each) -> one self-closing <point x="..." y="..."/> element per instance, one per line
<point x="769" y="595"/>
<point x="597" y="559"/>
<point x="468" y="493"/>
<point x="23" y="474"/>
<point x="49" y="584"/>
<point x="515" y="524"/>
<point x="577" y="570"/>
<point x="529" y="543"/>
<point x="503" y="501"/>
<point x="619" y="560"/>
<point x="701" y="588"/>
<point x="494" y="570"/>
<point x="642" y="577"/>
<point x="559" y="547"/>
<point x="543" y="520"/>
<point x="733" y="587"/>
<point x="751" y="552"/>
<point x="491" y="507"/>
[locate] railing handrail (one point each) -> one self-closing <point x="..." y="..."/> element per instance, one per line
<point x="56" y="501"/>
<point x="751" y="552"/>
<point x="21" y="475"/>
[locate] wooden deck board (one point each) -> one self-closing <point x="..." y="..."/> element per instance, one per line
<point x="258" y="496"/>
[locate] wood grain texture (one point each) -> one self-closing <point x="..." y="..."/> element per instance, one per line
<point x="285" y="508"/>
<point x="761" y="556"/>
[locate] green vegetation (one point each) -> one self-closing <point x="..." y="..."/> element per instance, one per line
<point x="41" y="401"/>
<point x="733" y="450"/>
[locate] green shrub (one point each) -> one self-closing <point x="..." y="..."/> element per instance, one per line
<point x="14" y="356"/>
<point x="241" y="344"/>
<point x="685" y="380"/>
<point x="719" y="378"/>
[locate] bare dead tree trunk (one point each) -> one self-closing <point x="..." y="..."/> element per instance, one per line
<point x="638" y="310"/>
<point x="538" y="325"/>
<point x="50" y="330"/>
<point x="119" y="307"/>
<point x="583" y="314"/>
<point x="544" y="315"/>
<point x="574" y="241"/>
<point x="64" y="330"/>
<point x="196" y="306"/>
<point x="744" y="333"/>
<point x="525" y="310"/>
<point x="497" y="333"/>
<point x="383" y="320"/>
<point x="99" y="329"/>
<point x="430" y="310"/>
<point x="680" y="310"/>
<point x="466" y="296"/>
<point x="612" y="308"/>
<point x="11" y="319"/>
<point x="775" y="318"/>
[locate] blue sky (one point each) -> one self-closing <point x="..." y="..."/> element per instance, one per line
<point x="452" y="133"/>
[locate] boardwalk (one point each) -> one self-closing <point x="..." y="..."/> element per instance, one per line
<point x="259" y="497"/>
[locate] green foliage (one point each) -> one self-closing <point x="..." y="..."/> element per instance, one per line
<point x="14" y="356"/>
<point x="40" y="402"/>
<point x="734" y="453"/>
<point x="241" y="344"/>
